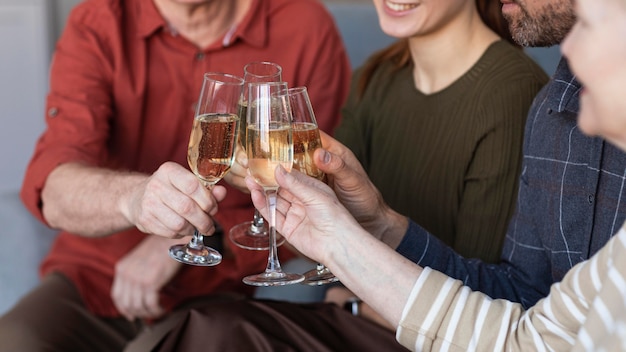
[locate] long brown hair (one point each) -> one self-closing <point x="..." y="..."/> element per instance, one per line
<point x="398" y="53"/>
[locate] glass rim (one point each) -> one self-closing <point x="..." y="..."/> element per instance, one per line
<point x="266" y="63"/>
<point x="299" y="89"/>
<point x="224" y="78"/>
<point x="257" y="84"/>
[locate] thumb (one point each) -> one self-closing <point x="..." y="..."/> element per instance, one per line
<point x="335" y="159"/>
<point x="331" y="164"/>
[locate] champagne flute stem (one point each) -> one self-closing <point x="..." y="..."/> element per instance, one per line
<point x="197" y="241"/>
<point x="320" y="267"/>
<point x="257" y="222"/>
<point x="273" y="265"/>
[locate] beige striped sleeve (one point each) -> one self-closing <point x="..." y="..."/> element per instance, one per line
<point x="605" y="326"/>
<point x="442" y="314"/>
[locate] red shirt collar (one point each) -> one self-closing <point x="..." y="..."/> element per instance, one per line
<point x="253" y="29"/>
<point x="148" y="18"/>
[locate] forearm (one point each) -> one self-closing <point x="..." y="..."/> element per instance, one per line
<point x="373" y="271"/>
<point x="392" y="229"/>
<point x="88" y="201"/>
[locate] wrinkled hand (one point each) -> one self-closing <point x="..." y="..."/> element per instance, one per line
<point x="172" y="201"/>
<point x="351" y="184"/>
<point x="236" y="177"/>
<point x="308" y="214"/>
<point x="140" y="275"/>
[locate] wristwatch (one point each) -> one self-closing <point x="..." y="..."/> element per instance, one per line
<point x="353" y="305"/>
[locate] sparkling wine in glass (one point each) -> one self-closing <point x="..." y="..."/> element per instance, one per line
<point x="211" y="151"/>
<point x="253" y="234"/>
<point x="269" y="144"/>
<point x="306" y="138"/>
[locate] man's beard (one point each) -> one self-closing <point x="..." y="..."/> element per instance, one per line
<point x="549" y="26"/>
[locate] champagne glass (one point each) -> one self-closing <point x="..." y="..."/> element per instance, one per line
<point x="269" y="144"/>
<point x="253" y="234"/>
<point x="211" y="151"/>
<point x="306" y="138"/>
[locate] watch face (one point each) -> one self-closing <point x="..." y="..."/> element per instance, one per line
<point x="353" y="306"/>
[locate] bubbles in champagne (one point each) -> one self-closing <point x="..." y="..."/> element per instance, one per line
<point x="242" y="109"/>
<point x="306" y="138"/>
<point x="269" y="146"/>
<point x="212" y="145"/>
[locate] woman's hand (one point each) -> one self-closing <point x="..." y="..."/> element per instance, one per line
<point x="139" y="277"/>
<point x="308" y="214"/>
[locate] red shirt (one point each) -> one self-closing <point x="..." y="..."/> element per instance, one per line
<point x="122" y="90"/>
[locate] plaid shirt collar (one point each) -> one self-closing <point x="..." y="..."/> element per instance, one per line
<point x="563" y="95"/>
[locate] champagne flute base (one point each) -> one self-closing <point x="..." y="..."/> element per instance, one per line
<point x="243" y="236"/>
<point x="319" y="276"/>
<point x="205" y="256"/>
<point x="273" y="278"/>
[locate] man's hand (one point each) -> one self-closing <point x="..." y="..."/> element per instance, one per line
<point x="172" y="202"/>
<point x="140" y="275"/>
<point x="92" y="201"/>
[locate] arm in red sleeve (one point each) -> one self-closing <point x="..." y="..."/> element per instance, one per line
<point x="78" y="108"/>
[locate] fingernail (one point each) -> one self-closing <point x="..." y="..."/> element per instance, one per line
<point x="326" y="157"/>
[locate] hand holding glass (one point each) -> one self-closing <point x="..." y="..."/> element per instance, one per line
<point x="211" y="151"/>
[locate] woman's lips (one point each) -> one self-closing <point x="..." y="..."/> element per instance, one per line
<point x="399" y="7"/>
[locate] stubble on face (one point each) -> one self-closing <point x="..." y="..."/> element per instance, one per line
<point x="543" y="26"/>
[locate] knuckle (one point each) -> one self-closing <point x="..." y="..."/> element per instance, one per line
<point x="166" y="167"/>
<point x="204" y="227"/>
<point x="186" y="207"/>
<point x="190" y="187"/>
<point x="176" y="226"/>
<point x="142" y="221"/>
<point x="151" y="188"/>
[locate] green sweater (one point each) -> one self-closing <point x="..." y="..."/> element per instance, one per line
<point x="448" y="160"/>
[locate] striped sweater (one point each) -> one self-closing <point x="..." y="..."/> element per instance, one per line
<point x="584" y="312"/>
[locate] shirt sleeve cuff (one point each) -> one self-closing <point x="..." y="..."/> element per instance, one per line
<point x="415" y="243"/>
<point x="425" y="309"/>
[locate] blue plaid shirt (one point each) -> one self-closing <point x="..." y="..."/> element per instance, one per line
<point x="571" y="200"/>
